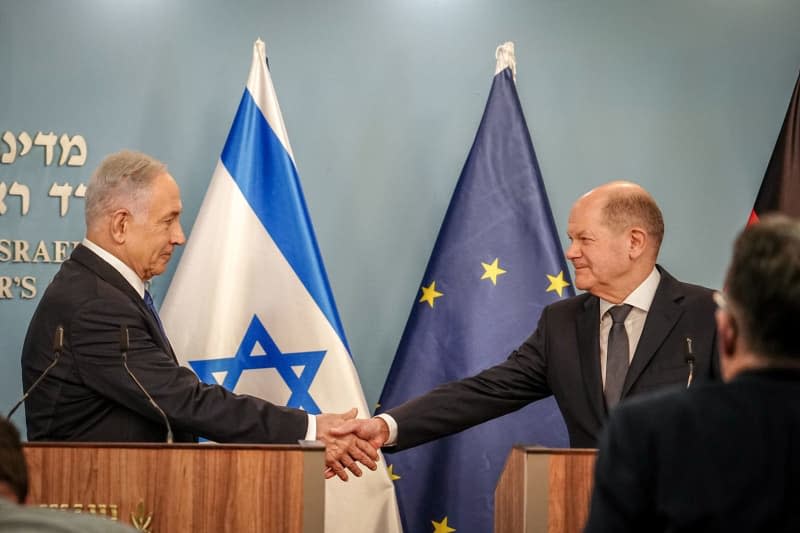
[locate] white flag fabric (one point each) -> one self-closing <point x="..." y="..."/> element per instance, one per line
<point x="250" y="307"/>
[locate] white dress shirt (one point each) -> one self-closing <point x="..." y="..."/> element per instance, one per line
<point x="640" y="299"/>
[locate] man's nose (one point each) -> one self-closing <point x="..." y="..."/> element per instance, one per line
<point x="178" y="237"/>
<point x="572" y="251"/>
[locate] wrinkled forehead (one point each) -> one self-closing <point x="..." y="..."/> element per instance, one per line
<point x="162" y="195"/>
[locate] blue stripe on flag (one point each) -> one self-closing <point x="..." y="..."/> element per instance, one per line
<point x="266" y="175"/>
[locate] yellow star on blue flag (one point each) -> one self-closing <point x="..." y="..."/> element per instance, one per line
<point x="441" y="527"/>
<point x="429" y="294"/>
<point x="557" y="283"/>
<point x="492" y="270"/>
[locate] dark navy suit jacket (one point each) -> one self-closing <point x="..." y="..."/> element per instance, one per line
<point x="88" y="395"/>
<point x="716" y="458"/>
<point x="562" y="358"/>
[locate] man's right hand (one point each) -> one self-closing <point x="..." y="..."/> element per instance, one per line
<point x="373" y="430"/>
<point x="344" y="451"/>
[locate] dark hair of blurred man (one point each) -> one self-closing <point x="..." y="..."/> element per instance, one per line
<point x="13" y="472"/>
<point x="15" y="516"/>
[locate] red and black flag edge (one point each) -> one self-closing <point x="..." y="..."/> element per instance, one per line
<point x="780" y="188"/>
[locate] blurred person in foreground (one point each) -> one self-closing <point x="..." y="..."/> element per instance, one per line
<point x="15" y="516"/>
<point x="720" y="456"/>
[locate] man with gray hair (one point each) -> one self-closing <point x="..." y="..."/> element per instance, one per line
<point x="720" y="456"/>
<point x="100" y="299"/>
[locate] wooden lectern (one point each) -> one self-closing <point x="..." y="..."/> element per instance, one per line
<point x="544" y="490"/>
<point x="185" y="487"/>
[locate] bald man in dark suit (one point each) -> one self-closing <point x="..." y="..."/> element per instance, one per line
<point x="582" y="353"/>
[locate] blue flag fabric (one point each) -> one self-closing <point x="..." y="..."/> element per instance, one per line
<point x="496" y="264"/>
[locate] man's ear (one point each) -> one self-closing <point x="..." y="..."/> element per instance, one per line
<point x="727" y="334"/>
<point x="637" y="242"/>
<point x="119" y="225"/>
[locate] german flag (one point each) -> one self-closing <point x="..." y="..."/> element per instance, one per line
<point x="780" y="190"/>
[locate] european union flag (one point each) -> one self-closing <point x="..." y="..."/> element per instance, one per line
<point x="496" y="264"/>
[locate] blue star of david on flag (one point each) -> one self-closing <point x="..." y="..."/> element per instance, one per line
<point x="284" y="363"/>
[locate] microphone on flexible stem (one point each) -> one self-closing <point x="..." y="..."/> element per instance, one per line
<point x="58" y="347"/>
<point x="124" y="346"/>
<point x="689" y="361"/>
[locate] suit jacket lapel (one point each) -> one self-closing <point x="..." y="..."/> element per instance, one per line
<point x="662" y="317"/>
<point x="110" y="275"/>
<point x="588" y="332"/>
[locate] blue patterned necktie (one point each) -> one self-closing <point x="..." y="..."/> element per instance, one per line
<point x="148" y="301"/>
<point x="617" y="355"/>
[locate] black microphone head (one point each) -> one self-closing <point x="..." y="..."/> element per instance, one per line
<point x="58" y="339"/>
<point x="124" y="340"/>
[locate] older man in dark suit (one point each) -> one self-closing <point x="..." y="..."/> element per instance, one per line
<point x="133" y="209"/>
<point x="720" y="456"/>
<point x="627" y="335"/>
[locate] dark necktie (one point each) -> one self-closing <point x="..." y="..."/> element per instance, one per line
<point x="148" y="301"/>
<point x="617" y="355"/>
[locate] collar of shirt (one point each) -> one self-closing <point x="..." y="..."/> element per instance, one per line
<point x="641" y="297"/>
<point x="127" y="272"/>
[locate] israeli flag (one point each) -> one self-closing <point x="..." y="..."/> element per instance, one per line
<point x="250" y="307"/>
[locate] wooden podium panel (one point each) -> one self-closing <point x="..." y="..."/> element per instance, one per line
<point x="185" y="487"/>
<point x="543" y="490"/>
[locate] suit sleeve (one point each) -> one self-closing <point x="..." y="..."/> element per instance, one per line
<point x="499" y="390"/>
<point x="623" y="486"/>
<point x="210" y="411"/>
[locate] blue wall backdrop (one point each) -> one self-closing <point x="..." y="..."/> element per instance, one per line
<point x="381" y="99"/>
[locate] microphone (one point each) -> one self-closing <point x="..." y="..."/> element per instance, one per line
<point x="58" y="347"/>
<point x="689" y="361"/>
<point x="124" y="346"/>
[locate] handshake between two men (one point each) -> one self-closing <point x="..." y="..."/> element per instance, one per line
<point x="96" y="393"/>
<point x="349" y="441"/>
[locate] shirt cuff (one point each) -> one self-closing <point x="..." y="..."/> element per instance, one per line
<point x="311" y="432"/>
<point x="392" y="423"/>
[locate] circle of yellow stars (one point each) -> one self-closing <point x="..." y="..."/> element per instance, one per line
<point x="491" y="271"/>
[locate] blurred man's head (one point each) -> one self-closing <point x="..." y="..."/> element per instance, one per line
<point x="615" y="232"/>
<point x="13" y="470"/>
<point x="133" y="209"/>
<point x="760" y="311"/>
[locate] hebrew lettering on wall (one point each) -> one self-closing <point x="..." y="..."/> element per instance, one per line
<point x="72" y="152"/>
<point x="62" y="192"/>
<point x="72" y="148"/>
<point x="18" y="196"/>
